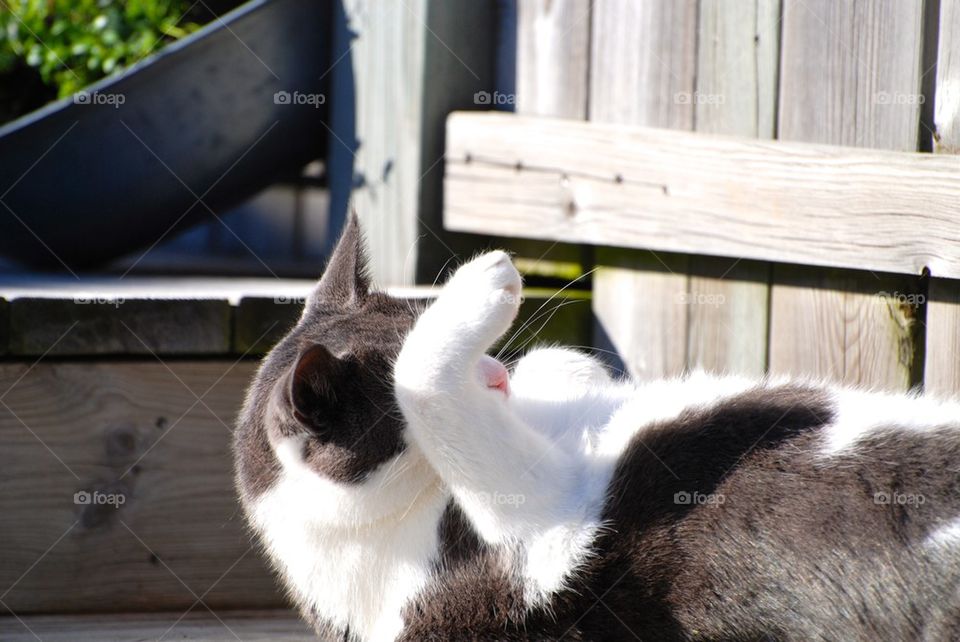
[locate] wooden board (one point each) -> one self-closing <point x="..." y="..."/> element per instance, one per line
<point x="855" y="327"/>
<point x="851" y="75"/>
<point x="946" y="116"/>
<point x="738" y="47"/>
<point x="83" y="326"/>
<point x="702" y="194"/>
<point x="851" y="71"/>
<point x="737" y="59"/>
<point x="942" y="353"/>
<point x="643" y="62"/>
<point x="399" y="68"/>
<point x="942" y="350"/>
<point x="377" y="69"/>
<point x="167" y="316"/>
<point x="642" y="72"/>
<point x="67" y="428"/>
<point x="552" y="66"/>
<point x="198" y="626"/>
<point x="727" y="303"/>
<point x="642" y="311"/>
<point x="553" y="55"/>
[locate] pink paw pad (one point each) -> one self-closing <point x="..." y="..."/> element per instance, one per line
<point x="494" y="374"/>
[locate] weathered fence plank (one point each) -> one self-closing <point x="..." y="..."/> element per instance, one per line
<point x="728" y="307"/>
<point x="850" y="75"/>
<point x="643" y="62"/>
<point x="737" y="56"/>
<point x="947" y="104"/>
<point x="200" y="625"/>
<point x="640" y="301"/>
<point x="738" y="47"/>
<point x="553" y="57"/>
<point x="135" y="430"/>
<point x="674" y="191"/>
<point x="399" y="68"/>
<point x="942" y="355"/>
<point x="642" y="71"/>
<point x="552" y="67"/>
<point x="84" y="326"/>
<point x="942" y="363"/>
<point x="850" y="72"/>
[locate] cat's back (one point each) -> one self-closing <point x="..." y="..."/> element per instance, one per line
<point x="794" y="510"/>
<point x="771" y="509"/>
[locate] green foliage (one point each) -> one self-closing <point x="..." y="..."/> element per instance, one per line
<point x="73" y="43"/>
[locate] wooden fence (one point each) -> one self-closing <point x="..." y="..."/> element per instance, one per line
<point x="743" y="236"/>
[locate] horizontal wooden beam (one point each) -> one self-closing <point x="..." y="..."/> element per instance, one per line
<point x="198" y="624"/>
<point x="696" y="193"/>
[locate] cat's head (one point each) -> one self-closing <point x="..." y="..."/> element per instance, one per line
<point x="321" y="415"/>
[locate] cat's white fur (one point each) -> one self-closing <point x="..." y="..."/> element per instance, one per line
<point x="353" y="554"/>
<point x="860" y="412"/>
<point x="530" y="469"/>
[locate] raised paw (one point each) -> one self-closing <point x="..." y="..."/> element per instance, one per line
<point x="484" y="296"/>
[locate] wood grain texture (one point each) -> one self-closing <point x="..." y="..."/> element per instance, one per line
<point x="855" y="327"/>
<point x="399" y="68"/>
<point x="942" y="355"/>
<point x="259" y="322"/>
<point x="553" y="57"/>
<point x="946" y="111"/>
<point x="850" y="75"/>
<point x="738" y="47"/>
<point x="728" y="301"/>
<point x="850" y="72"/>
<point x="373" y="162"/>
<point x="642" y="72"/>
<point x="702" y="194"/>
<point x="641" y="310"/>
<point x="552" y="68"/>
<point x="91" y="325"/>
<point x="643" y="62"/>
<point x="167" y="316"/>
<point x="80" y="427"/>
<point x="942" y="363"/>
<point x="197" y="626"/>
<point x="737" y="59"/>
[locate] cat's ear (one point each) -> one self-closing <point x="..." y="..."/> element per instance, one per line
<point x="312" y="384"/>
<point x="345" y="278"/>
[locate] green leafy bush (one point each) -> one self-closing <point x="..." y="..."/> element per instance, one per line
<point x="72" y="43"/>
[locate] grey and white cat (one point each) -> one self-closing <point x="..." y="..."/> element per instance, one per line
<point x="407" y="487"/>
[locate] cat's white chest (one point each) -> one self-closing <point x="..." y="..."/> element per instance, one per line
<point x="354" y="578"/>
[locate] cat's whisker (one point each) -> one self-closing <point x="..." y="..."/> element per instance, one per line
<point x="545" y="303"/>
<point x="533" y="335"/>
<point x="406" y="258"/>
<point x="442" y="268"/>
<point x="520" y="330"/>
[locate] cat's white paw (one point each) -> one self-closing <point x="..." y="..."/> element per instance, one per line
<point x="485" y="294"/>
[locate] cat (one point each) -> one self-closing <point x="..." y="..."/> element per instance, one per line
<point x="406" y="486"/>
